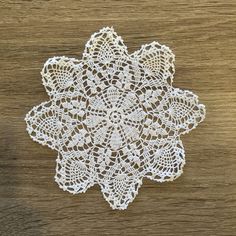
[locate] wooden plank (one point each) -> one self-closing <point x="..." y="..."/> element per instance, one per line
<point x="202" y="35"/>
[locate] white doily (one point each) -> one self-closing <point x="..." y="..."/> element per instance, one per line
<point x="114" y="117"/>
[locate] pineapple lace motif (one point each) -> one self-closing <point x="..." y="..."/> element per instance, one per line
<point x="114" y="117"/>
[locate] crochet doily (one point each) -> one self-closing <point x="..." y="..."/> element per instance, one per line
<point x="114" y="117"/>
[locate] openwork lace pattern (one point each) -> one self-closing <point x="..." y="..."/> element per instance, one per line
<point x="114" y="117"/>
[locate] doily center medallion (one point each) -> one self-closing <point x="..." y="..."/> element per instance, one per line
<point x="114" y="118"/>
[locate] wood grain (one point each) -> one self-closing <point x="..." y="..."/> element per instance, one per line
<point x="202" y="35"/>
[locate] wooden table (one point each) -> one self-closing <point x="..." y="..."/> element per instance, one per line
<point x="202" y="34"/>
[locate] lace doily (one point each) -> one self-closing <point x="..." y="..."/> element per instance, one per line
<point x="114" y="117"/>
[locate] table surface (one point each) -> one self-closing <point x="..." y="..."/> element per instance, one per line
<point x="203" y="37"/>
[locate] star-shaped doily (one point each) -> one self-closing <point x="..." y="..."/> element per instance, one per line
<point x="114" y="117"/>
